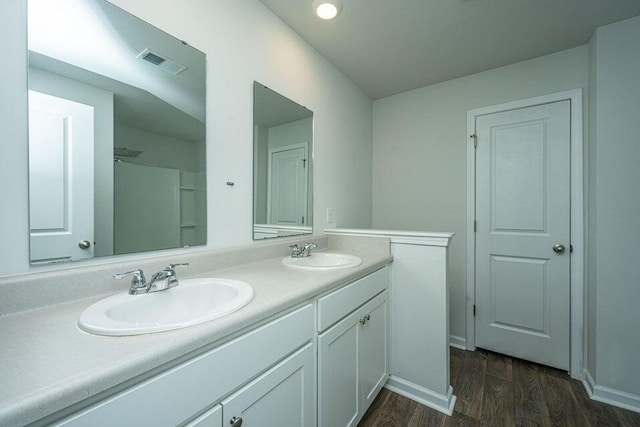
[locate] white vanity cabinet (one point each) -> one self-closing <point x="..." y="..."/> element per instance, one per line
<point x="283" y="396"/>
<point x="322" y="363"/>
<point x="353" y="353"/>
<point x="211" y="418"/>
<point x="277" y="354"/>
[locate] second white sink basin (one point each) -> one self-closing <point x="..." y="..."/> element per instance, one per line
<point x="323" y="261"/>
<point x="192" y="302"/>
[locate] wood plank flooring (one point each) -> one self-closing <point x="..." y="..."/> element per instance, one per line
<point x="497" y="390"/>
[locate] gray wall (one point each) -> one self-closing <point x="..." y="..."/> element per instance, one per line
<point x="614" y="211"/>
<point x="419" y="150"/>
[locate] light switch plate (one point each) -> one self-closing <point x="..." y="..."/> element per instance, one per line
<point x="331" y="215"/>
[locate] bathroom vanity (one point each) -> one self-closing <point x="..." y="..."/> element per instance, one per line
<point x="312" y="347"/>
<point x="268" y="372"/>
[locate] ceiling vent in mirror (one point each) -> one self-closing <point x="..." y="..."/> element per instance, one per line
<point x="162" y="62"/>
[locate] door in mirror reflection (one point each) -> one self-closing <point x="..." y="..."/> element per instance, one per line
<point x="282" y="166"/>
<point x="60" y="178"/>
<point x="287" y="189"/>
<point x="137" y="183"/>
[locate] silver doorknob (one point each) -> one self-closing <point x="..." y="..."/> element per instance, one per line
<point x="84" y="244"/>
<point x="558" y="248"/>
<point x="236" y="421"/>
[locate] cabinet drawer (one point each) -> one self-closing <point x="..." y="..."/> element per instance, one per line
<point x="177" y="394"/>
<point x="338" y="304"/>
<point x="282" y="396"/>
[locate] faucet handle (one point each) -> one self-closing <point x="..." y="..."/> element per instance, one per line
<point x="137" y="280"/>
<point x="307" y="248"/>
<point x="170" y="274"/>
<point x="172" y="266"/>
<point x="296" y="251"/>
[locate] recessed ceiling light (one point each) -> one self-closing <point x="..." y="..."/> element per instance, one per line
<point x="327" y="9"/>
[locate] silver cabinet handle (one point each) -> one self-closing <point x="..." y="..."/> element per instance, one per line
<point x="84" y="244"/>
<point x="236" y="421"/>
<point x="364" y="319"/>
<point x="558" y="248"/>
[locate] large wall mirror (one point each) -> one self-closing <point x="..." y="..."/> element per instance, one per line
<point x="116" y="134"/>
<point x="282" y="165"/>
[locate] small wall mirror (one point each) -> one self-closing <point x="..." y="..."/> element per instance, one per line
<point x="116" y="134"/>
<point x="282" y="165"/>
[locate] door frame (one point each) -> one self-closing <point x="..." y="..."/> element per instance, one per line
<point x="577" y="219"/>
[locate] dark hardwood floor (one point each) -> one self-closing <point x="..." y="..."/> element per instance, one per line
<point x="497" y="390"/>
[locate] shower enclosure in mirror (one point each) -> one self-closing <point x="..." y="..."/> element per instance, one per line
<point x="116" y="134"/>
<point x="282" y="165"/>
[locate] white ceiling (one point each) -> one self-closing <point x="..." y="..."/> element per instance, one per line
<point x="391" y="46"/>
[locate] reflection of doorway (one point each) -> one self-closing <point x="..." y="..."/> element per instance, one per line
<point x="61" y="146"/>
<point x="287" y="185"/>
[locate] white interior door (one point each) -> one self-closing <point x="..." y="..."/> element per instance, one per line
<point x="61" y="145"/>
<point x="287" y="197"/>
<point x="522" y="214"/>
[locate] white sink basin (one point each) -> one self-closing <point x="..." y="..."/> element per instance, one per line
<point x="192" y="302"/>
<point x="323" y="261"/>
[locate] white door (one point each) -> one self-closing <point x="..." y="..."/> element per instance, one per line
<point x="283" y="396"/>
<point x="338" y="365"/>
<point x="374" y="367"/>
<point x="522" y="238"/>
<point x="288" y="185"/>
<point x="60" y="178"/>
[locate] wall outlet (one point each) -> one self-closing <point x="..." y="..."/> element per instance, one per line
<point x="331" y="215"/>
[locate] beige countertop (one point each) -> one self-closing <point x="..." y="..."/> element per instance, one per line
<point x="47" y="363"/>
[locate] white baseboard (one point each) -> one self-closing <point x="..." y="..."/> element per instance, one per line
<point x="437" y="401"/>
<point x="458" y="342"/>
<point x="610" y="396"/>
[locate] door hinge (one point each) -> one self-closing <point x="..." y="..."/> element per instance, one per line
<point x="475" y="226"/>
<point x="302" y="220"/>
<point x="475" y="140"/>
<point x="474" y="310"/>
<point x="570" y="249"/>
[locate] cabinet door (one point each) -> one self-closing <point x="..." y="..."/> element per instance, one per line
<point x="283" y="396"/>
<point x="339" y="394"/>
<point x="374" y="361"/>
<point x="211" y="418"/>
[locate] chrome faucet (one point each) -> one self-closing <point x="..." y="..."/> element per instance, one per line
<point x="304" y="251"/>
<point x="307" y="248"/>
<point x="139" y="283"/>
<point x="296" y="251"/>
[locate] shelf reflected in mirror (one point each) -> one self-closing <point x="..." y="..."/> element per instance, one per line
<point x="282" y="165"/>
